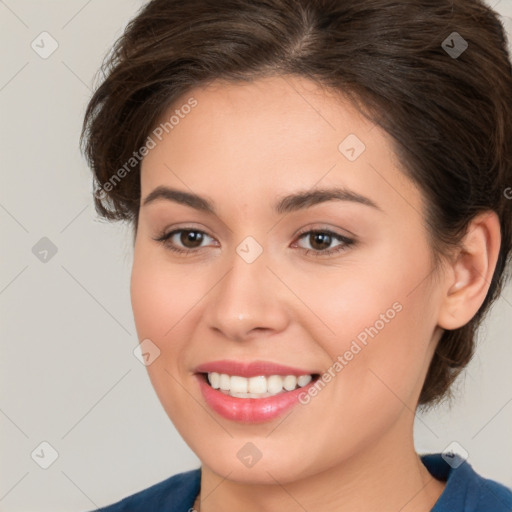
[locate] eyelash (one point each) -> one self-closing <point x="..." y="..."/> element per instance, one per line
<point x="347" y="242"/>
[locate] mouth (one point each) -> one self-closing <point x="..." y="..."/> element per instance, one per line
<point x="260" y="386"/>
<point x="252" y="392"/>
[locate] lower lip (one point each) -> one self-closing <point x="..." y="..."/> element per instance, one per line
<point x="250" y="410"/>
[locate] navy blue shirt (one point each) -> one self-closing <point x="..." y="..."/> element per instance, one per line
<point x="465" y="491"/>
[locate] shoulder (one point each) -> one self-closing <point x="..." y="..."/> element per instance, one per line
<point x="175" y="494"/>
<point x="466" y="490"/>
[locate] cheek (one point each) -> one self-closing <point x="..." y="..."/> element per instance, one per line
<point x="162" y="302"/>
<point x="383" y="320"/>
<point x="162" y="297"/>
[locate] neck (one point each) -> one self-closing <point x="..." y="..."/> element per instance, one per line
<point x="387" y="476"/>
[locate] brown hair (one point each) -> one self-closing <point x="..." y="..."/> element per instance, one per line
<point x="449" y="113"/>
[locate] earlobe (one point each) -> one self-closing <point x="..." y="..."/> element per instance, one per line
<point x="470" y="274"/>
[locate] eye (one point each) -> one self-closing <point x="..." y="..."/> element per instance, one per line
<point x="319" y="239"/>
<point x="191" y="240"/>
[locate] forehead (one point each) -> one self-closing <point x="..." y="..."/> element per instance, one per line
<point x="271" y="136"/>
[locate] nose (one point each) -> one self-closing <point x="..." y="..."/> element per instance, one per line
<point x="248" y="301"/>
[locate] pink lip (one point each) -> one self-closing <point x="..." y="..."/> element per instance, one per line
<point x="250" y="410"/>
<point x="252" y="369"/>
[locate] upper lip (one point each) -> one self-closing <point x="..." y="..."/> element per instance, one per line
<point x="250" y="369"/>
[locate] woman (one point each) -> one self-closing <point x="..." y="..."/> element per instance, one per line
<point x="320" y="197"/>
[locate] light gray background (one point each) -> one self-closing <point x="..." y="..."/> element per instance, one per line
<point x="68" y="373"/>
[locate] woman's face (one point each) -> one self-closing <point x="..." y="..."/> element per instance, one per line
<point x="258" y="287"/>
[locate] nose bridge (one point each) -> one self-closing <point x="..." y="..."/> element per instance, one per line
<point x="246" y="298"/>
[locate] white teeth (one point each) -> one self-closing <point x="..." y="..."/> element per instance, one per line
<point x="256" y="387"/>
<point x="257" y="384"/>
<point x="303" y="380"/>
<point x="214" y="380"/>
<point x="290" y="382"/>
<point x="224" y="382"/>
<point x="239" y="384"/>
<point x="274" y="384"/>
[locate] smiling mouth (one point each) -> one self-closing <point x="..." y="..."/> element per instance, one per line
<point x="261" y="386"/>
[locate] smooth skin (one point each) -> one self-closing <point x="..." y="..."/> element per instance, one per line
<point x="244" y="146"/>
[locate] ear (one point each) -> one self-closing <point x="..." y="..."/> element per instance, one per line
<point x="469" y="275"/>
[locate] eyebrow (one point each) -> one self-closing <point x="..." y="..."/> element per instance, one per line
<point x="286" y="204"/>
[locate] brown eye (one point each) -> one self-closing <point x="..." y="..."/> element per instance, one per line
<point x="191" y="239"/>
<point x="183" y="240"/>
<point x="320" y="241"/>
<point x="187" y="241"/>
